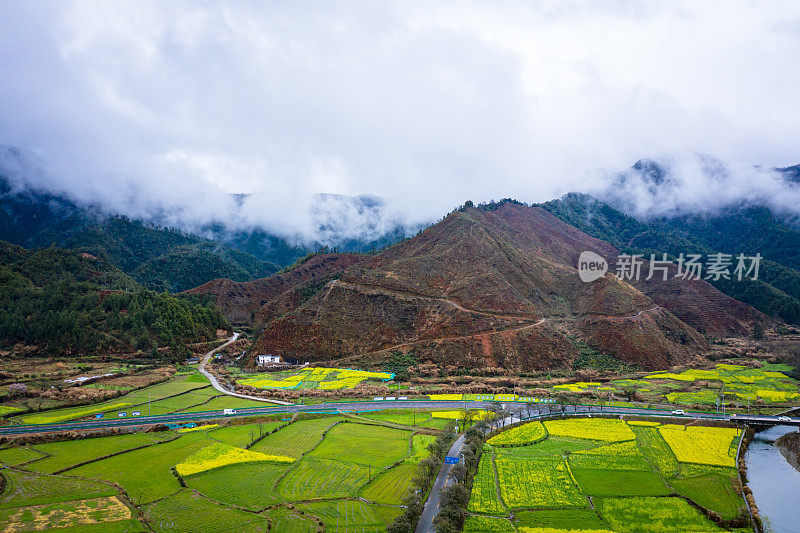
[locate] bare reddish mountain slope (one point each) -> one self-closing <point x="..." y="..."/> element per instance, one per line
<point x="481" y="288"/>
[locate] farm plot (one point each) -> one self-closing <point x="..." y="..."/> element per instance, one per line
<point x="72" y="452"/>
<point x="110" y="513"/>
<point x="519" y="435"/>
<point x="138" y="397"/>
<point x="618" y="456"/>
<point x="551" y="446"/>
<point x="244" y="485"/>
<point x="656" y="449"/>
<point x="243" y="435"/>
<point x="604" y="429"/>
<point x="620" y="482"/>
<point x="487" y="524"/>
<point x="295" y="439"/>
<point x="18" y="455"/>
<point x="186" y="511"/>
<point x="314" y="378"/>
<point x="217" y="455"/>
<point x="348" y="516"/>
<point x="653" y="514"/>
<point x="226" y="402"/>
<point x="401" y="417"/>
<point x="314" y="477"/>
<point x="26" y="489"/>
<point x="484" y="498"/>
<point x="288" y="521"/>
<point x="713" y="491"/>
<point x="374" y="446"/>
<point x="701" y="445"/>
<point x="536" y="482"/>
<point x="146" y="474"/>
<point x="560" y="520"/>
<point x="391" y="485"/>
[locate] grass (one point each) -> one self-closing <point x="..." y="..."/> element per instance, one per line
<point x="18" y="455"/>
<point x="189" y="512"/>
<point x="700" y="445"/>
<point x="314" y="477"/>
<point x="573" y="519"/>
<point x="537" y="482"/>
<point x="347" y="516"/>
<point x="146" y="474"/>
<point x="25" y="489"/>
<point x="137" y="397"/>
<point x="72" y="452"/>
<point x="391" y="485"/>
<point x="484" y="490"/>
<point x="218" y="455"/>
<point x="374" y="446"/>
<point x="604" y="429"/>
<point x="620" y="482"/>
<point x="712" y="491"/>
<point x="652" y="514"/>
<point x="244" y="434"/>
<point x="245" y="485"/>
<point x="518" y="435"/>
<point x="486" y="524"/>
<point x="288" y="521"/>
<point x="295" y="439"/>
<point x="402" y="417"/>
<point x="656" y="449"/>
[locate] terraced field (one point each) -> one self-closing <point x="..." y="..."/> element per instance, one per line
<point x="357" y="474"/>
<point x="602" y="474"/>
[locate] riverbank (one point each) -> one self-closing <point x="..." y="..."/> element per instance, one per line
<point x="789" y="446"/>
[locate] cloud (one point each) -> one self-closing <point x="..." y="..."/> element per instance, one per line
<point x="154" y="107"/>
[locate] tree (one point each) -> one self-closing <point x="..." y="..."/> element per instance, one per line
<point x="758" y="331"/>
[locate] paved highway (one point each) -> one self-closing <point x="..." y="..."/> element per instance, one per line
<point x="544" y="411"/>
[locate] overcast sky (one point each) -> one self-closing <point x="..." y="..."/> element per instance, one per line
<point x="173" y="104"/>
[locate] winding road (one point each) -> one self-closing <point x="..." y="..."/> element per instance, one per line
<point x="216" y="384"/>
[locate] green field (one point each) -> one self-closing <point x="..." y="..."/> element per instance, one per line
<point x="18" y="455"/>
<point x="356" y="474"/>
<point x="243" y="435"/>
<point x="244" y="485"/>
<point x="72" y="452"/>
<point x="138" y="398"/>
<point x="297" y="438"/>
<point x="549" y="485"/>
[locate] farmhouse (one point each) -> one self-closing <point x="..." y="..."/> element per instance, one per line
<point x="268" y="359"/>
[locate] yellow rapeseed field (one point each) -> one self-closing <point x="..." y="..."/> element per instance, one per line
<point x="525" y="434"/>
<point x="605" y="429"/>
<point x="700" y="445"/>
<point x="219" y="454"/>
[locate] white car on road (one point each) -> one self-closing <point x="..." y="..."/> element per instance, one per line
<point x="679" y="412"/>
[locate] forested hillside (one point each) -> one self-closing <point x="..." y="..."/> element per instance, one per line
<point x="159" y="258"/>
<point x="68" y="302"/>
<point x="743" y="228"/>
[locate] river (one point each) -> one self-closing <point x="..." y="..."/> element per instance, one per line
<point x="774" y="482"/>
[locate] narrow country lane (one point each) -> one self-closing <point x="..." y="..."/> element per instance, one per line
<point x="443" y="479"/>
<point x="215" y="383"/>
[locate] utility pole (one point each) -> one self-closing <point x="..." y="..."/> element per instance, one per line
<point x="722" y="399"/>
<point x="148" y="402"/>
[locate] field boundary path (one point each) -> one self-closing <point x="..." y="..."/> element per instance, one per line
<point x="215" y="383"/>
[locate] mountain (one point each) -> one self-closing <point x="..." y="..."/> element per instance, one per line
<point x="740" y="228"/>
<point x="160" y="258"/>
<point x="489" y="286"/>
<point x="68" y="302"/>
